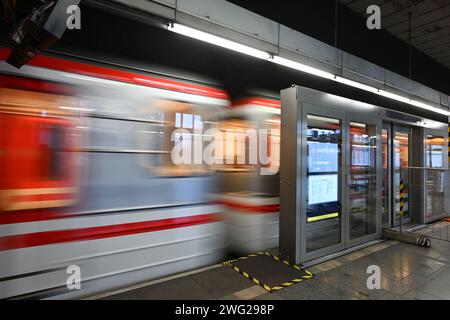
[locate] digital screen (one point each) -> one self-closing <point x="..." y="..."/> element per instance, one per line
<point x="323" y="157"/>
<point x="322" y="188"/>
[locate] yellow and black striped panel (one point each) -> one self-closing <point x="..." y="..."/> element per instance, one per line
<point x="301" y="274"/>
<point x="402" y="188"/>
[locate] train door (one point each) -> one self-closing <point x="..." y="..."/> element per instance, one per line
<point x="341" y="180"/>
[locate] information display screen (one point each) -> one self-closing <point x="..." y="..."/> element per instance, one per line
<point x="322" y="188"/>
<point x="322" y="157"/>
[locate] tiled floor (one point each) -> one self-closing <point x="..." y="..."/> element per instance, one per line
<point x="439" y="230"/>
<point x="407" y="272"/>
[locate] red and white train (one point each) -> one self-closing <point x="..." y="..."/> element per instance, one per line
<point x="250" y="194"/>
<point x="87" y="177"/>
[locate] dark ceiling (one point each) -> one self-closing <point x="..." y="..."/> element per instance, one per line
<point x="337" y="24"/>
<point x="430" y="23"/>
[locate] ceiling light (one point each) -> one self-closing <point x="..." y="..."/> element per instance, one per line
<point x="301" y="67"/>
<point x="356" y="84"/>
<point x="218" y="41"/>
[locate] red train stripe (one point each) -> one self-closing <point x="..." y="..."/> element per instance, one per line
<point x="270" y="208"/>
<point x="119" y="75"/>
<point x="263" y="102"/>
<point x="35" y="85"/>
<point x="93" y="233"/>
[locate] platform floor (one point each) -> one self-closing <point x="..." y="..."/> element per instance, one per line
<point x="407" y="272"/>
<point x="438" y="230"/>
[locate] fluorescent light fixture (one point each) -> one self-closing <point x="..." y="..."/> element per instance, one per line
<point x="355" y="84"/>
<point x="301" y="67"/>
<point x="218" y="41"/>
<point x="428" y="107"/>
<point x="393" y="96"/>
<point x="412" y="102"/>
<point x="231" y="45"/>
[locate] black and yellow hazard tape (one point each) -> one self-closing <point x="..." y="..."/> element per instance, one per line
<point x="402" y="188"/>
<point x="423" y="241"/>
<point x="308" y="274"/>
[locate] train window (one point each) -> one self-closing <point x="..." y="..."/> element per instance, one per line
<point x="236" y="153"/>
<point x="178" y="126"/>
<point x="236" y="150"/>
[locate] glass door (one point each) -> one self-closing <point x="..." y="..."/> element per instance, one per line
<point x="401" y="174"/>
<point x="322" y="225"/>
<point x="434" y="189"/>
<point x="362" y="208"/>
<point x="323" y="196"/>
<point x="340" y="207"/>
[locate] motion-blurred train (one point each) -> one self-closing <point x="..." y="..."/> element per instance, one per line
<point x="88" y="188"/>
<point x="251" y="198"/>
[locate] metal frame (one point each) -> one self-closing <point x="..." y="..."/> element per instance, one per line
<point x="388" y="127"/>
<point x="374" y="121"/>
<point x="297" y="103"/>
<point x="329" y="112"/>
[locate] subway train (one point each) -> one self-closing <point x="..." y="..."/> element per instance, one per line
<point x="89" y="189"/>
<point x="251" y="196"/>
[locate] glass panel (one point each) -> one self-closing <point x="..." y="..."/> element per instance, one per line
<point x="434" y="179"/>
<point x="363" y="180"/>
<point x="385" y="179"/>
<point x="401" y="172"/>
<point x="323" y="196"/>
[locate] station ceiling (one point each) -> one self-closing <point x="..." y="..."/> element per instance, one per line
<point x="430" y="23"/>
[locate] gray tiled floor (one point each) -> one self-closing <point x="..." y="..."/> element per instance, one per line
<point x="439" y="230"/>
<point x="408" y="272"/>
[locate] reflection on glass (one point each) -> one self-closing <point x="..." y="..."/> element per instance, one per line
<point x="434" y="179"/>
<point x="363" y="182"/>
<point x="323" y="213"/>
<point x="385" y="179"/>
<point x="401" y="172"/>
<point x="239" y="134"/>
<point x="176" y="125"/>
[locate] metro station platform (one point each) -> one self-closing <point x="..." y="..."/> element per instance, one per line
<point x="407" y="272"/>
